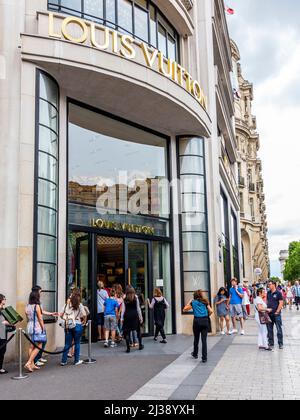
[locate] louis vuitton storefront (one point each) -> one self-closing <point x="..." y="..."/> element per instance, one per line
<point x="114" y="159"/>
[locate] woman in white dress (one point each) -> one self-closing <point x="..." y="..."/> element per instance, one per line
<point x="261" y="306"/>
<point x="290" y="295"/>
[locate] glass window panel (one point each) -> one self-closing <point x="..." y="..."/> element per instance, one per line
<point x="47" y="167"/>
<point x="193" y="203"/>
<point x="172" y="48"/>
<point x="141" y="23"/>
<point x="48" y="116"/>
<point x="153" y="27"/>
<point x="192" y="165"/>
<point x="195" y="261"/>
<point x="194" y="241"/>
<point x="111" y="13"/>
<point x="48" y="301"/>
<point x="47" y="221"/>
<point x="48" y="90"/>
<point x="196" y="281"/>
<point x="47" y="249"/>
<point x="48" y="141"/>
<point x="125" y="16"/>
<point x="47" y="194"/>
<point x="192" y="184"/>
<point x="194" y="222"/>
<point x="162" y="40"/>
<point x="46" y="276"/>
<point x="74" y="6"/>
<point x="188" y="296"/>
<point x="93" y="8"/>
<point x="193" y="146"/>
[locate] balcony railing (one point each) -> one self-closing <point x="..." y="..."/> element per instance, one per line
<point x="242" y="181"/>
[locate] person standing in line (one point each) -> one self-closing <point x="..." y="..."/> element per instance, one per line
<point x="296" y="291"/>
<point x="120" y="299"/>
<point x="222" y="304"/>
<point x="75" y="319"/>
<point x="102" y="295"/>
<point x="275" y="303"/>
<point x="290" y="295"/>
<point x="201" y="309"/>
<point x="246" y="302"/>
<point x="132" y="318"/>
<point x="111" y="308"/>
<point x="261" y="306"/>
<point x="159" y="305"/>
<point x="35" y="325"/>
<point x="236" y="296"/>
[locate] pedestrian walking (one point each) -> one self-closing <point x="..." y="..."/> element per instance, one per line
<point x="159" y="305"/>
<point x="296" y="291"/>
<point x="275" y="303"/>
<point x="111" y="310"/>
<point x="3" y="338"/>
<point x="102" y="295"/>
<point x="222" y="304"/>
<point x="120" y="299"/>
<point x="290" y="295"/>
<point x="35" y="329"/>
<point x="236" y="296"/>
<point x="246" y="302"/>
<point x="132" y="318"/>
<point x="201" y="309"/>
<point x="74" y="319"/>
<point x="261" y="308"/>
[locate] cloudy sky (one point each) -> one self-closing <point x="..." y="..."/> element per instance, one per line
<point x="268" y="35"/>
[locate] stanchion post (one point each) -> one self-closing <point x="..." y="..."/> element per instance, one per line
<point x="90" y="361"/>
<point x="21" y="375"/>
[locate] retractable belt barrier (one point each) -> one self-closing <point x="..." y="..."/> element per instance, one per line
<point x="38" y="347"/>
<point x="8" y="341"/>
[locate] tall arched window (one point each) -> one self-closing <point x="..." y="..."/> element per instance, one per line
<point x="139" y="18"/>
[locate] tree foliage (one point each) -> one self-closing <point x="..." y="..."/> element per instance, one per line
<point x="292" y="266"/>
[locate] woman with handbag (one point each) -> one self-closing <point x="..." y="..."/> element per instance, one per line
<point x="202" y="311"/>
<point x="74" y="319"/>
<point x="262" y="319"/>
<point x="35" y="329"/>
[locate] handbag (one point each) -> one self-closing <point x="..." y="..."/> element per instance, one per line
<point x="38" y="337"/>
<point x="264" y="317"/>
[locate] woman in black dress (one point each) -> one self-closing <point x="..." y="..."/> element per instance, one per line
<point x="132" y="318"/>
<point x="159" y="306"/>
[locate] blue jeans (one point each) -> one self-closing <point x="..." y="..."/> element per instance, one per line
<point x="276" y="320"/>
<point x="73" y="335"/>
<point x="40" y="355"/>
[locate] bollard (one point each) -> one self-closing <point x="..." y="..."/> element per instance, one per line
<point x="90" y="361"/>
<point x="21" y="375"/>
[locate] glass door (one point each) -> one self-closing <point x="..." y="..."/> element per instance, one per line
<point x="138" y="275"/>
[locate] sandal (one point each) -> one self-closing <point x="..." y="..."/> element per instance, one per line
<point x="28" y="368"/>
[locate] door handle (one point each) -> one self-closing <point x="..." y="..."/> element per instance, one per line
<point x="129" y="276"/>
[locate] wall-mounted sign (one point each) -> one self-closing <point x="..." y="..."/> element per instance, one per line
<point x="125" y="227"/>
<point x="125" y="46"/>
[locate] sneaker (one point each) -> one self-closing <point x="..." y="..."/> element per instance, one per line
<point x="242" y="332"/>
<point x="106" y="344"/>
<point x="155" y="339"/>
<point x="164" y="342"/>
<point x="63" y="364"/>
<point x="281" y="347"/>
<point x="113" y="345"/>
<point x="80" y="362"/>
<point x="194" y="356"/>
<point x="229" y="333"/>
<point x="222" y="333"/>
<point x="39" y="364"/>
<point x="234" y="332"/>
<point x="43" y="360"/>
<point x="204" y="361"/>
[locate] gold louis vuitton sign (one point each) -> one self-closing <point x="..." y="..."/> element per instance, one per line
<point x="125" y="227"/>
<point x="125" y="46"/>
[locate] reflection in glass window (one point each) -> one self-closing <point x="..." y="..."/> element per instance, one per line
<point x="194" y="217"/>
<point x="94" y="8"/>
<point x="141" y="23"/>
<point x="125" y="16"/>
<point x="116" y="166"/>
<point x="46" y="210"/>
<point x="162" y="40"/>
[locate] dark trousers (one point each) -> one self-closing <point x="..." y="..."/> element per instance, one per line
<point x="276" y="320"/>
<point x="201" y="327"/>
<point x="297" y="301"/>
<point x="2" y="352"/>
<point x="40" y="355"/>
<point x="127" y="334"/>
<point x="159" y="328"/>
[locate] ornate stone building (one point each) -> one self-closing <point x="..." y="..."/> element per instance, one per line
<point x="254" y="227"/>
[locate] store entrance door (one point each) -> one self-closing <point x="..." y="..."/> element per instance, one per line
<point x="138" y="270"/>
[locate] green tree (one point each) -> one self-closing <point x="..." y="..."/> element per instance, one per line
<point x="292" y="266"/>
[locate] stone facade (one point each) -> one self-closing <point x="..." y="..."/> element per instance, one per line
<point x="254" y="226"/>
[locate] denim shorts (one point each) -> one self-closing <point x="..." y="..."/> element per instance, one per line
<point x="110" y="323"/>
<point x="236" y="311"/>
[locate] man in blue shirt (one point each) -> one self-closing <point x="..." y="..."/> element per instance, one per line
<point x="296" y="292"/>
<point x="236" y="296"/>
<point x="110" y="318"/>
<point x="275" y="302"/>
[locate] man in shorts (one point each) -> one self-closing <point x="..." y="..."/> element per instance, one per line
<point x="236" y="296"/>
